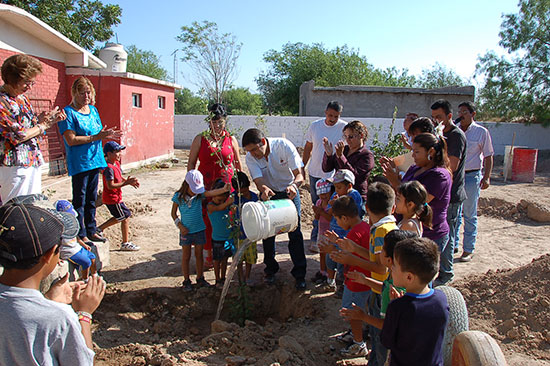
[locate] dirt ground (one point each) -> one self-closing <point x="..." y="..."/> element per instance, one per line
<point x="146" y="319"/>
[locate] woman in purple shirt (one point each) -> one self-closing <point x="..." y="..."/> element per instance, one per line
<point x="354" y="156"/>
<point x="431" y="168"/>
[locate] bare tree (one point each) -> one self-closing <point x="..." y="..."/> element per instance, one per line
<point x="212" y="56"/>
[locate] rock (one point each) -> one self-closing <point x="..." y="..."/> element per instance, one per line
<point x="538" y="212"/>
<point x="252" y="360"/>
<point x="158" y="360"/>
<point x="215" y="338"/>
<point x="513" y="334"/>
<point x="139" y="361"/>
<point x="281" y="355"/>
<point x="235" y="360"/>
<point x="219" y="326"/>
<point x="194" y="331"/>
<point x="524" y="204"/>
<point x="290" y="344"/>
<point x="506" y="326"/>
<point x="169" y="362"/>
<point x="165" y="165"/>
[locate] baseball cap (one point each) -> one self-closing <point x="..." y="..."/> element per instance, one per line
<point x="112" y="146"/>
<point x="65" y="206"/>
<point x="195" y="181"/>
<point x="344" y="175"/>
<point x="322" y="186"/>
<point x="28" y="231"/>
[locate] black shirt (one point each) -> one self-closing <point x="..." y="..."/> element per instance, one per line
<point x="456" y="146"/>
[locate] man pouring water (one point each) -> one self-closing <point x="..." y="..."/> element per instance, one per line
<point x="276" y="169"/>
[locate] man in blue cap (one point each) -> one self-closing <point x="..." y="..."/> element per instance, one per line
<point x="113" y="181"/>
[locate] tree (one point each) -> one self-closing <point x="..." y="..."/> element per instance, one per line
<point x="439" y="77"/>
<point x="240" y="101"/>
<point x="298" y="62"/>
<point x="188" y="103"/>
<point x="145" y="63"/>
<point x="83" y="21"/>
<point x="212" y="56"/>
<point x="517" y="85"/>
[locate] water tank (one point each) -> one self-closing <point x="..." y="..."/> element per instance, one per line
<point x="114" y="56"/>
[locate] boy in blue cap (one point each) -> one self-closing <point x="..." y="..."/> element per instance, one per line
<point x="113" y="181"/>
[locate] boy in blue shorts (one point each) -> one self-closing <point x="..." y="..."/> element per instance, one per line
<point x="346" y="212"/>
<point x="75" y="250"/>
<point x="113" y="181"/>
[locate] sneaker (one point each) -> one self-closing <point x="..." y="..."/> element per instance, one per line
<point x="201" y="282"/>
<point x="187" y="286"/>
<point x="466" y="257"/>
<point x="129" y="247"/>
<point x="355" y="350"/>
<point x="346" y="337"/>
<point x="301" y="285"/>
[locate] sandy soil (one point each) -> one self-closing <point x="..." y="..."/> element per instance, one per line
<point x="145" y="318"/>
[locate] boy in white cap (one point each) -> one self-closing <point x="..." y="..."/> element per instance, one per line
<point x="36" y="328"/>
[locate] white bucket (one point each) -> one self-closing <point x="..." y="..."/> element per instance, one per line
<point x="262" y="220"/>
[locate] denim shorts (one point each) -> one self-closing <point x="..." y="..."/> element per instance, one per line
<point x="198" y="238"/>
<point x="357" y="298"/>
<point x="83" y="258"/>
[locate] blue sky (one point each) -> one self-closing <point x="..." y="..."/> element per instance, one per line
<point x="405" y="34"/>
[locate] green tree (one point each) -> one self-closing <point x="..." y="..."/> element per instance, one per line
<point x="188" y="103"/>
<point x="212" y="56"/>
<point x="517" y="85"/>
<point x="439" y="76"/>
<point x="83" y="21"/>
<point x="298" y="62"/>
<point x="240" y="101"/>
<point x="145" y="63"/>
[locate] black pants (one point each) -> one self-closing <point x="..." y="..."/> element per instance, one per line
<point x="295" y="246"/>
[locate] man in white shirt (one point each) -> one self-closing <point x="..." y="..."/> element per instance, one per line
<point x="276" y="168"/>
<point x="478" y="167"/>
<point x="330" y="127"/>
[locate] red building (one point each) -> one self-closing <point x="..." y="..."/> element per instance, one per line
<point x="140" y="106"/>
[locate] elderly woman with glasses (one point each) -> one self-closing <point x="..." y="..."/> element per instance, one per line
<point x="351" y="154"/>
<point x="21" y="129"/>
<point x="217" y="155"/>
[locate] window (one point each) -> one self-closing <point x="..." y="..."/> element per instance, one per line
<point x="136" y="100"/>
<point x="161" y="102"/>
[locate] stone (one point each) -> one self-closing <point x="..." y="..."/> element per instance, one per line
<point x="219" y="326"/>
<point x="165" y="165"/>
<point x="214" y="339"/>
<point x="281" y="355"/>
<point x="235" y="360"/>
<point x="290" y="344"/>
<point x="513" y="334"/>
<point x="538" y="212"/>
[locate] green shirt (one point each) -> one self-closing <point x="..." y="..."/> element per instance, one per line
<point x="386" y="296"/>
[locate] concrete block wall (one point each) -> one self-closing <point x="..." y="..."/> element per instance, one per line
<point x="186" y="127"/>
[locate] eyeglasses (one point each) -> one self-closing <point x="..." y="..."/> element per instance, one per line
<point x="349" y="137"/>
<point x="29" y="83"/>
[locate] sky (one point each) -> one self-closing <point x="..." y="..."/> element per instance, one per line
<point x="402" y="33"/>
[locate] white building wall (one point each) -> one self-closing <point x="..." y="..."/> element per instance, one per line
<point x="15" y="39"/>
<point x="186" y="127"/>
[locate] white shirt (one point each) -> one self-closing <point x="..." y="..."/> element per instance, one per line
<point x="38" y="331"/>
<point x="478" y="146"/>
<point x="277" y="173"/>
<point x="317" y="130"/>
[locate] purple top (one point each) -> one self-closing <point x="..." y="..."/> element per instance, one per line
<point x="437" y="182"/>
<point x="360" y="163"/>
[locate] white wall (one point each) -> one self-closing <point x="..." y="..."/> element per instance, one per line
<point x="186" y="127"/>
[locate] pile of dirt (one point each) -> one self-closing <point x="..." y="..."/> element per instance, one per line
<point x="164" y="326"/>
<point x="513" y="306"/>
<point x="139" y="208"/>
<point x="499" y="208"/>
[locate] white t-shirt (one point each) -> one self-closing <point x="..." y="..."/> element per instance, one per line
<point x="69" y="247"/>
<point x="317" y="130"/>
<point x="478" y="146"/>
<point x="38" y="331"/>
<point x="277" y="173"/>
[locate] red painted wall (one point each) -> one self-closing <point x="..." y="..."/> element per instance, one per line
<point x="149" y="130"/>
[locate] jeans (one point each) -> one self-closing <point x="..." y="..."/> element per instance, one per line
<point x="84" y="196"/>
<point x="453" y="214"/>
<point x="445" y="261"/>
<point x="378" y="354"/>
<point x="295" y="246"/>
<point x="469" y="211"/>
<point x="314" y="198"/>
